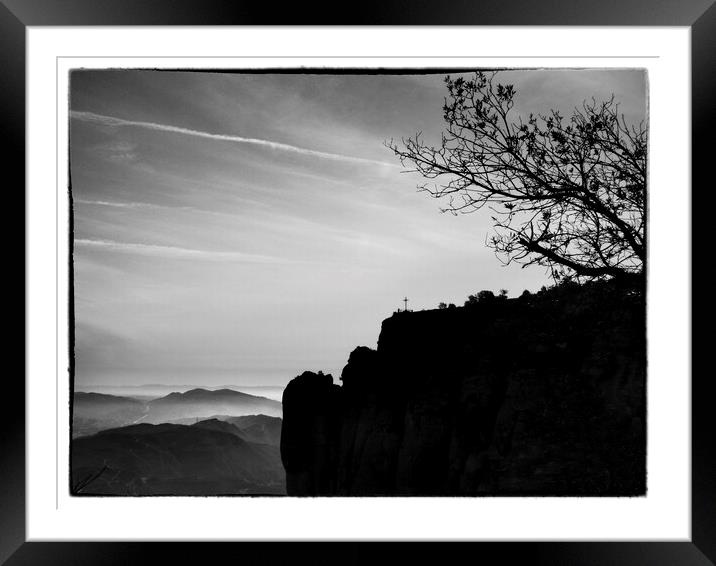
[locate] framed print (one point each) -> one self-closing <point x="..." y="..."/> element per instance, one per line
<point x="240" y="309"/>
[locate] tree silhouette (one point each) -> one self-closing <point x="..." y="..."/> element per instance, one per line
<point x="483" y="296"/>
<point x="567" y="194"/>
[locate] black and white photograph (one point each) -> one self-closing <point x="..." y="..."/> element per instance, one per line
<point x="358" y="282"/>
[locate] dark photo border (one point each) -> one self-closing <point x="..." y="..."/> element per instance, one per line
<point x="699" y="15"/>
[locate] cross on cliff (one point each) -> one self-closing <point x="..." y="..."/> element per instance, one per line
<point x="405" y="300"/>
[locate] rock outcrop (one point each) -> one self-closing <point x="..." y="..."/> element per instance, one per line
<point x="309" y="436"/>
<point x="541" y="395"/>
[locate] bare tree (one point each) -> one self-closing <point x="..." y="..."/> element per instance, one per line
<point x="567" y="194"/>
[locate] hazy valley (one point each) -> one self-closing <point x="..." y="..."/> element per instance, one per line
<point x="156" y="390"/>
<point x="197" y="442"/>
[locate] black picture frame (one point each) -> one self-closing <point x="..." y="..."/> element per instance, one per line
<point x="699" y="15"/>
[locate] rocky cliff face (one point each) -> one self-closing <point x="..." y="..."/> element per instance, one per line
<point x="542" y="395"/>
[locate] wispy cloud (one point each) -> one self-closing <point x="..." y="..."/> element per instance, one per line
<point x="119" y="151"/>
<point x="173" y="252"/>
<point x="149" y="206"/>
<point x="119" y="122"/>
<point x="119" y="204"/>
<point x="273" y="223"/>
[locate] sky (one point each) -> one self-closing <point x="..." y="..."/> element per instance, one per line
<point x="240" y="229"/>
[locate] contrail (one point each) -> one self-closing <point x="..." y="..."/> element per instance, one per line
<point x="112" y="121"/>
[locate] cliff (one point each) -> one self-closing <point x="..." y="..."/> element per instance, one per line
<point x="541" y="395"/>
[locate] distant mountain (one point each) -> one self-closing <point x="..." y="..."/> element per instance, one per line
<point x="155" y="390"/>
<point x="92" y="412"/>
<point x="205" y="403"/>
<point x="101" y="401"/>
<point x="207" y="458"/>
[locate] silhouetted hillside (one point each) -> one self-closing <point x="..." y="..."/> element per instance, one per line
<point x="207" y="458"/>
<point x="541" y="395"/>
<point x="260" y="429"/>
<point x="220" y="426"/>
